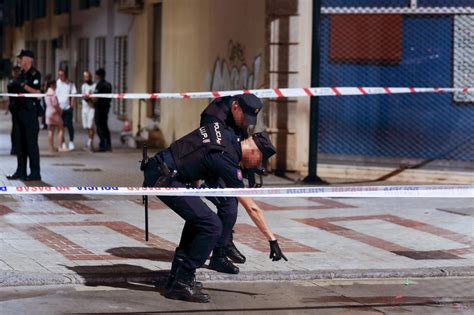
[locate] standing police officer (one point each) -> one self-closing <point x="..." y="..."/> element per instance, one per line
<point x="210" y="152"/>
<point x="13" y="87"/>
<point x="102" y="108"/>
<point x="27" y="124"/>
<point x="238" y="113"/>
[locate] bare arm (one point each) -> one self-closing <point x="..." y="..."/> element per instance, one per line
<point x="256" y="214"/>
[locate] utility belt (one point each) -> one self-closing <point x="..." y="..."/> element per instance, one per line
<point x="166" y="176"/>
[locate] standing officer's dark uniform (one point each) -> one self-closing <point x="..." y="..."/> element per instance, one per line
<point x="101" y="116"/>
<point x="27" y="125"/>
<point x="13" y="87"/>
<point x="219" y="110"/>
<point x="210" y="152"/>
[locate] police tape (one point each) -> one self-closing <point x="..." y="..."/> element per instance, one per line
<point x="266" y="93"/>
<point x="420" y="191"/>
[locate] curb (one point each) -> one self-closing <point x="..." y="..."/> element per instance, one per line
<point x="13" y="279"/>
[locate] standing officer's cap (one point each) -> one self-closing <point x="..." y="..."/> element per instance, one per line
<point x="264" y="144"/>
<point x="251" y="106"/>
<point x="26" y="53"/>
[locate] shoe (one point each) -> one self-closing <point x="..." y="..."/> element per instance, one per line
<point x="174" y="266"/>
<point x="89" y="147"/>
<point x="182" y="288"/>
<point x="234" y="254"/>
<point x="31" y="178"/>
<point x="220" y="263"/>
<point x="71" y="146"/>
<point x="16" y="176"/>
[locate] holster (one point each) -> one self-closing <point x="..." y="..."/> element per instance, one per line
<point x="166" y="175"/>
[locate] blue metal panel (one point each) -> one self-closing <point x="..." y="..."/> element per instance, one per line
<point x="421" y="126"/>
<point x="445" y="3"/>
<point x="365" y="3"/>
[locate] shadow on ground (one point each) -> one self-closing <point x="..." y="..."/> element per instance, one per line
<point x="149" y="253"/>
<point x="124" y="276"/>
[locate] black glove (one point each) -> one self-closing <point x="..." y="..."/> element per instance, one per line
<point x="275" y="251"/>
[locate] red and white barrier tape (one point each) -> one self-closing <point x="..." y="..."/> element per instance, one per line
<point x="268" y="93"/>
<point x="433" y="191"/>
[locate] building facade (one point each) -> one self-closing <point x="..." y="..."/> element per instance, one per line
<point x="210" y="45"/>
<point x="75" y="36"/>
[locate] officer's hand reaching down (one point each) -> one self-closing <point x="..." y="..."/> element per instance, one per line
<point x="275" y="251"/>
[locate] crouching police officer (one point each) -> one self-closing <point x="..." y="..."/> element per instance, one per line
<point x="236" y="112"/>
<point x="209" y="152"/>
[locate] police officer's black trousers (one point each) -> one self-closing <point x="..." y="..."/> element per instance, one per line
<point x="13" y="132"/>
<point x="201" y="231"/>
<point x="101" y="122"/>
<point x="227" y="212"/>
<point x="67" y="116"/>
<point x="26" y="140"/>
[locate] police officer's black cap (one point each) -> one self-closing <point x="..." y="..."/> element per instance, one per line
<point x="264" y="144"/>
<point x="26" y="53"/>
<point x="251" y="106"/>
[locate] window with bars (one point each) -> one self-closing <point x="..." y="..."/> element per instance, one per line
<point x="99" y="53"/>
<point x="32" y="45"/>
<point x="82" y="58"/>
<point x="42" y="56"/>
<point x="39" y="8"/>
<point x="61" y="6"/>
<point x="53" y="45"/>
<point x="120" y="73"/>
<point x="19" y="13"/>
<point x="86" y="4"/>
<point x="154" y="111"/>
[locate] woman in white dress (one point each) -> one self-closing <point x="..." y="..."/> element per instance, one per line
<point x="88" y="111"/>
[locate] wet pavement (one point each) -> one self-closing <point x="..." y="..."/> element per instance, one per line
<point x="388" y="296"/>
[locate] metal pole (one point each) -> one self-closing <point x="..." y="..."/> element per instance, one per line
<point x="312" y="177"/>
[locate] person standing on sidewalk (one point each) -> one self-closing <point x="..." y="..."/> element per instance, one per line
<point x="13" y="87"/>
<point x="53" y="117"/>
<point x="27" y="122"/>
<point x="64" y="87"/>
<point x="88" y="111"/>
<point x="102" y="107"/>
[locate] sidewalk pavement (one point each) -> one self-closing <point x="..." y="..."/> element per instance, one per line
<point x="93" y="239"/>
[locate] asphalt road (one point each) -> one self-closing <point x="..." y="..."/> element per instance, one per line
<point x="388" y="296"/>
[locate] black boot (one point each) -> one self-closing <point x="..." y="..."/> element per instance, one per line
<point x="182" y="287"/>
<point x="234" y="254"/>
<point x="219" y="262"/>
<point x="174" y="266"/>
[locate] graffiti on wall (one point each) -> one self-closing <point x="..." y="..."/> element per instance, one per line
<point x="233" y="73"/>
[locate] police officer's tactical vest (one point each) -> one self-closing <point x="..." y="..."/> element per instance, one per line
<point x="189" y="151"/>
<point x="220" y="108"/>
